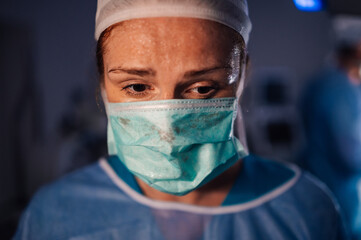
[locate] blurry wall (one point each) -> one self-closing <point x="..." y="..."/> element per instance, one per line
<point x="62" y="50"/>
<point x="18" y="121"/>
<point x="287" y="46"/>
<point x="47" y="54"/>
<point x="284" y="36"/>
<point x="63" y="47"/>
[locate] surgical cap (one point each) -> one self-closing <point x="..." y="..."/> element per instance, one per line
<point x="232" y="13"/>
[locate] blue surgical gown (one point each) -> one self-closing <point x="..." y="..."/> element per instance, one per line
<point x="268" y="201"/>
<point x="331" y="110"/>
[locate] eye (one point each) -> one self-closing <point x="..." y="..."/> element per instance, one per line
<point x="201" y="90"/>
<point x="137" y="89"/>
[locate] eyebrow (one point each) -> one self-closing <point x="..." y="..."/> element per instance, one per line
<point x="150" y="72"/>
<point x="198" y="73"/>
<point x="135" y="71"/>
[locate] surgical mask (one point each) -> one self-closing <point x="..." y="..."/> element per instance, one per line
<point x="175" y="146"/>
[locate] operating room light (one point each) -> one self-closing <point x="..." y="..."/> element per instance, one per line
<point x="309" y="5"/>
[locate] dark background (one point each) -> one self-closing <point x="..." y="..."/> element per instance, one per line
<point x="51" y="124"/>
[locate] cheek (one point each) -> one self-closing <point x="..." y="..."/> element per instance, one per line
<point x="114" y="93"/>
<point x="111" y="91"/>
<point x="230" y="91"/>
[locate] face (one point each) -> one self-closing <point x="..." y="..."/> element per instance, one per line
<point x="354" y="67"/>
<point x="170" y="58"/>
<point x="359" y="61"/>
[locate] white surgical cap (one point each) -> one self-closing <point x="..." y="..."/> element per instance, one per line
<point x="232" y="13"/>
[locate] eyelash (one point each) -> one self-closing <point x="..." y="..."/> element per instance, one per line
<point x="213" y="88"/>
<point x="135" y="93"/>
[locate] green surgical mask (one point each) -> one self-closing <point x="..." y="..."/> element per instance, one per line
<point x="175" y="146"/>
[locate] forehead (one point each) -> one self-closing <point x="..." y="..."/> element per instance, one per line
<point x="172" y="26"/>
<point x="161" y="39"/>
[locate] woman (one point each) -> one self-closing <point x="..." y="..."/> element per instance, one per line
<point x="171" y="73"/>
<point x="332" y="125"/>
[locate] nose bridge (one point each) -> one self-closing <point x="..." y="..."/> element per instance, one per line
<point x="169" y="75"/>
<point x="167" y="95"/>
<point x="168" y="88"/>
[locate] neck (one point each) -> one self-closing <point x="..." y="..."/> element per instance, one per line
<point x="211" y="194"/>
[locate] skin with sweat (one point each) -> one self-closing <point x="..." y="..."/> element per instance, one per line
<point x="174" y="58"/>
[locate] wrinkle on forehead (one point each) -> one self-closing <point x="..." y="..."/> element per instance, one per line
<point x="172" y="42"/>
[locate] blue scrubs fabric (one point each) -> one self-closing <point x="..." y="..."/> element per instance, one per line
<point x="95" y="203"/>
<point x="331" y="110"/>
